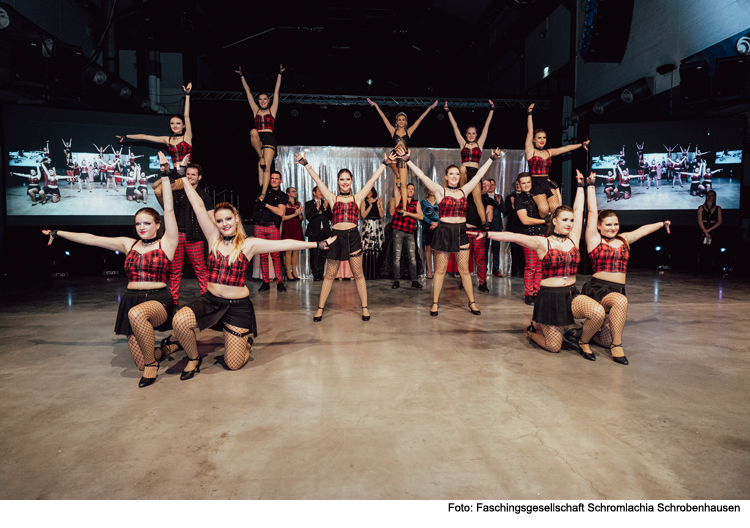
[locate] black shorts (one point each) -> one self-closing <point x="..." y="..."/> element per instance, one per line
<point x="347" y="241"/>
<point x="598" y="289"/>
<point x="130" y="191"/>
<point x="694" y="186"/>
<point x="136" y="297"/>
<point x="215" y="312"/>
<point x="624" y="188"/>
<point x="554" y="305"/>
<point x="143" y="188"/>
<point x="540" y="185"/>
<point x="450" y="237"/>
<point x="268" y="140"/>
<point x="51" y="190"/>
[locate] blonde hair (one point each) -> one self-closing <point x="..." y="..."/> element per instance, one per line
<point x="239" y="240"/>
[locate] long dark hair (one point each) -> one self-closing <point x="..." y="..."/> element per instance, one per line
<point x="560" y="209"/>
<point x="155" y="216"/>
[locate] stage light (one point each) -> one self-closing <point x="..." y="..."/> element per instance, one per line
<point x="369" y="82"/>
<point x="357" y="114"/>
<point x="4" y="19"/>
<point x="545" y="73"/>
<point x="117" y="252"/>
<point x="723" y="250"/>
<point x="295" y="112"/>
<point x="658" y="248"/>
<point x="67" y="253"/>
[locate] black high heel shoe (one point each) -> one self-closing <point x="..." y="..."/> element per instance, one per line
<point x="365" y="317"/>
<point x="165" y="350"/>
<point x="145" y="382"/>
<point x="586" y="355"/>
<point x="622" y="360"/>
<point x="319" y="318"/>
<point x="434" y="314"/>
<point x="531" y="329"/>
<point x="474" y="312"/>
<point x="189" y="374"/>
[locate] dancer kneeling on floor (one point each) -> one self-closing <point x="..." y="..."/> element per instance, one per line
<point x="609" y="259"/>
<point x="147" y="305"/>
<point x="450" y="235"/>
<point x="559" y="302"/>
<point x="348" y="246"/>
<point x="226" y="305"/>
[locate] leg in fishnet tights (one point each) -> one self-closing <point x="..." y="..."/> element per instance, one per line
<point x="462" y="261"/>
<point x="236" y="351"/>
<point x="604" y="336"/>
<point x="184" y="326"/>
<point x="143" y="318"/>
<point x="355" y="263"/>
<point x="332" y="269"/>
<point x="541" y="203"/>
<point x="441" y="266"/>
<point x="616" y="306"/>
<point x="551" y="338"/>
<point x="553" y="202"/>
<point x="587" y="308"/>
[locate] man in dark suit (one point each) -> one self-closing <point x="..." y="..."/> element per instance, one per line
<point x="318" y="215"/>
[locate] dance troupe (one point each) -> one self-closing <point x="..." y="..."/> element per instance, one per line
<point x="550" y="237"/>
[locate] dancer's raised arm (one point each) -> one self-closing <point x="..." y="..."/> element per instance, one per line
<point x="486" y="129"/>
<point x="275" y="104"/>
<point x="533" y="243"/>
<point x="568" y="148"/>
<point x="412" y="128"/>
<point x="171" y="237"/>
<point x="469" y="186"/>
<point x="365" y="190"/>
<point x="300" y="159"/>
<point x="188" y="126"/>
<point x="437" y="189"/>
<point x="575" y="232"/>
<point x="592" y="233"/>
<point x="642" y="231"/>
<point x="388" y="125"/>
<point x="456" y="130"/>
<point x="207" y="223"/>
<point x="529" y="146"/>
<point x="250" y="98"/>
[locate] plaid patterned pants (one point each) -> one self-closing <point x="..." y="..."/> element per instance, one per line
<point x="269" y="233"/>
<point x="194" y="250"/>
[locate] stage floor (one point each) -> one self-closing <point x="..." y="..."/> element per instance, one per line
<point x="405" y="406"/>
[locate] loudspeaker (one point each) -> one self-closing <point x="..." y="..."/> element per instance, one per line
<point x="695" y="83"/>
<point x="732" y="78"/>
<point x="606" y="30"/>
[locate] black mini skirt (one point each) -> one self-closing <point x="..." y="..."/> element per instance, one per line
<point x="134" y="298"/>
<point x="268" y="140"/>
<point x="553" y="306"/>
<point x="450" y="237"/>
<point x="347" y="241"/>
<point x="540" y="185"/>
<point x="214" y="312"/>
<point x="598" y="289"/>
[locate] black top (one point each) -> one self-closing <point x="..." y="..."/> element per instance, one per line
<point x="525" y="202"/>
<point x="274" y="197"/>
<point x="318" y="220"/>
<point x="709" y="218"/>
<point x="472" y="216"/>
<point x="374" y="214"/>
<point x="514" y="224"/>
<point x="187" y="222"/>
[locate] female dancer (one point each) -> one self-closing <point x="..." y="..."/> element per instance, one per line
<point x="471" y="153"/>
<point x="450" y="235"/>
<point x="401" y="134"/>
<point x="707" y="175"/>
<point x="558" y="302"/>
<point x="50" y="183"/>
<point x="539" y="160"/>
<point x="709" y="220"/>
<point x="34" y="189"/>
<point x="609" y="259"/>
<point x="291" y="229"/>
<point x="372" y="211"/>
<point x="624" y="186"/>
<point x="431" y="219"/>
<point x="180" y="143"/>
<point x="261" y="137"/>
<point x="147" y="305"/>
<point x="345" y="208"/>
<point x="226" y="305"/>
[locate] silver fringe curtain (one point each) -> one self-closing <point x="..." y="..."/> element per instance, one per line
<point x="362" y="162"/>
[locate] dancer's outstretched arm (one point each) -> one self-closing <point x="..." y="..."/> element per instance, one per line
<point x="535" y="243"/>
<point x="438" y="190"/>
<point x="122" y="244"/>
<point x="456" y="131"/>
<point x="275" y="104"/>
<point x="592" y="233"/>
<point x="205" y="220"/>
<point x="300" y="159"/>
<point x="529" y="146"/>
<point x="413" y="128"/>
<point x="575" y="232"/>
<point x="365" y="190"/>
<point x="469" y="186"/>
<point x="256" y="246"/>
<point x="486" y="128"/>
<point x="171" y="238"/>
<point x="388" y="125"/>
<point x="188" y="126"/>
<point x="250" y="99"/>
<point x="568" y="148"/>
<point x="642" y="231"/>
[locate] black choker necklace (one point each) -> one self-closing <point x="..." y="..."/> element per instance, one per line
<point x="148" y="242"/>
<point x="228" y="239"/>
<point x="559" y="237"/>
<point x="609" y="238"/>
<point x="342" y="193"/>
<point x="453" y="188"/>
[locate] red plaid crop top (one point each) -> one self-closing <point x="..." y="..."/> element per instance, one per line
<point x="471" y="155"/>
<point x="265" y="121"/>
<point x="606" y="258"/>
<point x="405" y="223"/>
<point x="152" y="266"/>
<point x="559" y="263"/>
<point x="220" y="272"/>
<point x="449" y="206"/>
<point x="345" y="212"/>
<point x="179" y="151"/>
<point x="539" y="166"/>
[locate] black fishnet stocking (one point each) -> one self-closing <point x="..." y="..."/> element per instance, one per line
<point x="441" y="266"/>
<point x="332" y="268"/>
<point x="184" y="325"/>
<point x="616" y="306"/>
<point x="550" y="339"/>
<point x="587" y="308"/>
<point x="236" y="349"/>
<point x="355" y="263"/>
<point x="541" y="203"/>
<point x="143" y="318"/>
<point x="462" y="262"/>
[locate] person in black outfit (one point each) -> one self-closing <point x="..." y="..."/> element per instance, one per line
<point x="318" y="216"/>
<point x="495" y="221"/>
<point x="267" y="228"/>
<point x="532" y="225"/>
<point x="517" y="261"/>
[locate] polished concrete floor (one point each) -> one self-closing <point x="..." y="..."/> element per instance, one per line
<point x="405" y="406"/>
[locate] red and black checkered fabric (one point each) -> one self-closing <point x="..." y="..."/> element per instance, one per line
<point x="471" y="155"/>
<point x="480" y="255"/>
<point x="345" y="212"/>
<point x="539" y="166"/>
<point x="449" y="206"/>
<point x="269" y="233"/>
<point x="405" y="223"/>
<point x="152" y="266"/>
<point x="532" y="273"/>
<point x="179" y="151"/>
<point x="220" y="272"/>
<point x="264" y="122"/>
<point x="196" y="252"/>
<point x="559" y="263"/>
<point x="606" y="258"/>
